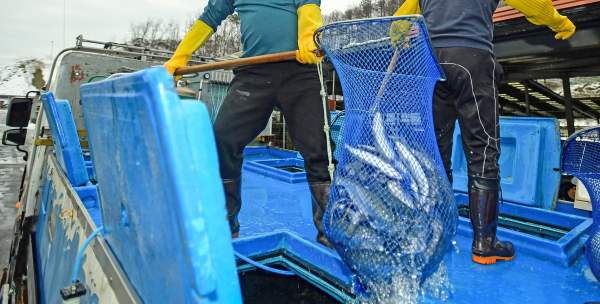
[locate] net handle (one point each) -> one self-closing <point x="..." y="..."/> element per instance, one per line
<point x="235" y="63"/>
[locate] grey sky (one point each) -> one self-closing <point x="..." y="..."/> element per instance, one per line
<point x="28" y="27"/>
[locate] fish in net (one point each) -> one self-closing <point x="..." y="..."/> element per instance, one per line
<point x="391" y="214"/>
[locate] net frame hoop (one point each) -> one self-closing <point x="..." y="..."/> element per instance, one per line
<point x="317" y="36"/>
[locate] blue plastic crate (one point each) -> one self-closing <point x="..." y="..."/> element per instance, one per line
<point x="163" y="205"/>
<point x="529" y="161"/>
<point x="66" y="141"/>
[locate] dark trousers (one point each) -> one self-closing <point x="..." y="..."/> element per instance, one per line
<point x="469" y="95"/>
<point x="254" y="92"/>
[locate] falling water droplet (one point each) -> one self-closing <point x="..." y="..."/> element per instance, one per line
<point x="455" y="246"/>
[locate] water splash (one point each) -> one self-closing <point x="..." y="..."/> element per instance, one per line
<point x="438" y="285"/>
<point x="409" y="289"/>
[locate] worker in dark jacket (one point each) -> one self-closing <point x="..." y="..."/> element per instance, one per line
<point x="268" y="26"/>
<point x="461" y="32"/>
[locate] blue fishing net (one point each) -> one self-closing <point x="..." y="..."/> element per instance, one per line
<point x="337" y="131"/>
<point x="213" y="90"/>
<point x="391" y="213"/>
<point x="581" y="158"/>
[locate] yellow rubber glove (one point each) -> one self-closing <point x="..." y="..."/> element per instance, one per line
<point x="309" y="20"/>
<point x="400" y="31"/>
<point x="193" y="40"/>
<point x="541" y="12"/>
<point x="409" y="7"/>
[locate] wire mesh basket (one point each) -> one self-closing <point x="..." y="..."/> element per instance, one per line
<point x="391" y="211"/>
<point x="581" y="158"/>
<point x="337" y="131"/>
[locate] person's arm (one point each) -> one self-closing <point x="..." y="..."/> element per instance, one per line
<point x="193" y="40"/>
<point x="214" y="13"/>
<point x="409" y="7"/>
<point x="542" y="12"/>
<point x="309" y="20"/>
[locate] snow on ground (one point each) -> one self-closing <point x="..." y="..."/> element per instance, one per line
<point x="16" y="78"/>
<point x="581" y="87"/>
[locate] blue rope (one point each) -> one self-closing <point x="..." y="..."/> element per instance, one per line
<point x="82" y="250"/>
<point x="262" y="266"/>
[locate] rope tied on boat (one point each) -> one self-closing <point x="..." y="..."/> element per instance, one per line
<point x="326" y="127"/>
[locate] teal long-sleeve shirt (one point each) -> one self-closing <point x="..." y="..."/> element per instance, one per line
<point x="267" y="26"/>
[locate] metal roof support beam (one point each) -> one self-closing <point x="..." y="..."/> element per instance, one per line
<point x="518" y="94"/>
<point x="568" y="105"/>
<point x="576" y="104"/>
<point x="595" y="100"/>
<point x="543" y="43"/>
<point x="505" y="103"/>
<point x="515" y="73"/>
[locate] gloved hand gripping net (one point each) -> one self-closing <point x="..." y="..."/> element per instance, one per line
<point x="391" y="211"/>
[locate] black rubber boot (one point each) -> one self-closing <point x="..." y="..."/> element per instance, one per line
<point x="483" y="204"/>
<point x="233" y="203"/>
<point x="320" y="197"/>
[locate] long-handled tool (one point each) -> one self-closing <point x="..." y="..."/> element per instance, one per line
<point x="231" y="64"/>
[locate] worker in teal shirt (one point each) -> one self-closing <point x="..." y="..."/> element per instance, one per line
<point x="268" y="26"/>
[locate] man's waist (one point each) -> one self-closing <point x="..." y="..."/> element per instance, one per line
<point x="258" y="50"/>
<point x="456" y="41"/>
<point x="287" y="65"/>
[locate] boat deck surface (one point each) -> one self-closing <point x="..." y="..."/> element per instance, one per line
<point x="270" y="205"/>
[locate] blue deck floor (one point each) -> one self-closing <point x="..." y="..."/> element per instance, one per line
<point x="270" y="205"/>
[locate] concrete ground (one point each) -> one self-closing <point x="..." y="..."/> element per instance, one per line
<point x="11" y="170"/>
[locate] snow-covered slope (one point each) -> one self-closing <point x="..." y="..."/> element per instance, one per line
<point x="581" y="87"/>
<point x="16" y="78"/>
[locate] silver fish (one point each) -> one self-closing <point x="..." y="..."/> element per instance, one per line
<point x="413" y="166"/>
<point x="368" y="148"/>
<point x="367" y="238"/>
<point x="400" y="194"/>
<point x="399" y="166"/>
<point x="380" y="140"/>
<point x="379" y="215"/>
<point x="437" y="232"/>
<point x="345" y="218"/>
<point x="440" y="188"/>
<point x="391" y="210"/>
<point x="375" y="161"/>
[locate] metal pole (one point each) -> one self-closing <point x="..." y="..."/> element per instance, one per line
<point x="527" y="103"/>
<point x="283" y="119"/>
<point x="568" y="105"/>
